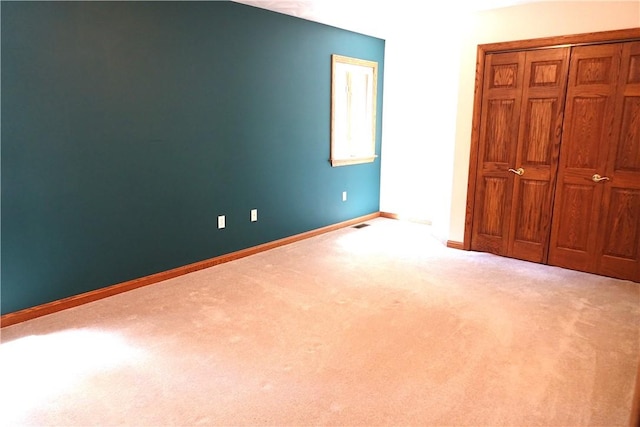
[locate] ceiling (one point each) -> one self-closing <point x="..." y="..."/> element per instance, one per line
<point x="372" y="17"/>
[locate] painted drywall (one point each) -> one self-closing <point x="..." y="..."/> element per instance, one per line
<point x="127" y="127"/>
<point x="528" y="21"/>
<point x="421" y="82"/>
<point x="429" y="88"/>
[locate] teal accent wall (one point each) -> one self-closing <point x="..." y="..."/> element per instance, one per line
<point x="127" y="127"/>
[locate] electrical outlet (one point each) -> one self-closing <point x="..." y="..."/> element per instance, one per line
<point x="221" y="221"/>
<point x="254" y="215"/>
<point x="344" y="196"/>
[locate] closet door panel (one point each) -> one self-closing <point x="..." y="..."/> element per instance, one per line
<point x="586" y="139"/>
<point x="497" y="151"/>
<point x="540" y="128"/>
<point x="575" y="224"/>
<point x="619" y="234"/>
<point x="532" y="194"/>
<point x="537" y="152"/>
<point x="588" y="126"/>
<point x="627" y="155"/>
<point x="492" y="198"/>
<point x="500" y="118"/>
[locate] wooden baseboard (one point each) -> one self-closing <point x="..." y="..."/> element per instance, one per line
<point x="76" y="300"/>
<point x="400" y="217"/>
<point x="455" y="244"/>
<point x="389" y="215"/>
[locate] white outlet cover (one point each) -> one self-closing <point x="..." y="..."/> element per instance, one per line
<point x="221" y="221"/>
<point x="254" y="215"/>
<point x="344" y="196"/>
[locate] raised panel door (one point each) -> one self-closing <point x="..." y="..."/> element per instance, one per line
<point x="618" y="245"/>
<point x="502" y="91"/>
<point x="518" y="152"/>
<point x="587" y="136"/>
<point x="538" y="147"/>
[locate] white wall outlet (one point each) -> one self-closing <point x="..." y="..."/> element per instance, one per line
<point x="344" y="196"/>
<point x="221" y="222"/>
<point x="254" y="215"/>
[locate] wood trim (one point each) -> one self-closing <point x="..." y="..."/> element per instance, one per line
<point x="76" y="300"/>
<point x="455" y="245"/>
<point x="389" y="215"/>
<point x="399" y="217"/>
<point x="352" y="161"/>
<point x="628" y="34"/>
<point x="475" y="141"/>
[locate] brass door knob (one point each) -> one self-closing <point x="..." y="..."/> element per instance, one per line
<point x="518" y="171"/>
<point x="598" y="178"/>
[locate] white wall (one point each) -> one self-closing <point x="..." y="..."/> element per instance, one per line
<point x="420" y="104"/>
<point x="430" y="63"/>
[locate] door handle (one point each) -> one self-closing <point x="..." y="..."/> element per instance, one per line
<point x="598" y="178"/>
<point x="519" y="171"/>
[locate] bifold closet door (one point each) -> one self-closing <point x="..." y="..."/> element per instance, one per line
<point x="521" y="122"/>
<point x="596" y="220"/>
<point x="619" y="241"/>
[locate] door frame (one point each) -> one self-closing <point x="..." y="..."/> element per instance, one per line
<point x="630" y="34"/>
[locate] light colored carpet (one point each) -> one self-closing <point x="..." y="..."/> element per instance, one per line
<point x="375" y="326"/>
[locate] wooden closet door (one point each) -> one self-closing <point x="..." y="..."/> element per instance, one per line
<point x="586" y="140"/>
<point x="618" y="244"/>
<point x="502" y="95"/>
<point x="538" y="147"/>
<point x="521" y="125"/>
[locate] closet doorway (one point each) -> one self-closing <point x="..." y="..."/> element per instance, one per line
<point x="555" y="153"/>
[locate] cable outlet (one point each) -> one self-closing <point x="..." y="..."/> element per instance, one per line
<point x="344" y="196"/>
<point x="221" y="221"/>
<point x="254" y="215"/>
